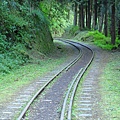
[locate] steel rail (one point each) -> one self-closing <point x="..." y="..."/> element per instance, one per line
<point x="67" y="95"/>
<point x="74" y="85"/>
<point x="77" y="58"/>
<point x="22" y="114"/>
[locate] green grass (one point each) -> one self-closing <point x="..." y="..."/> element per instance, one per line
<point x="96" y="38"/>
<point x="110" y="89"/>
<point x="102" y="41"/>
<point x="11" y="83"/>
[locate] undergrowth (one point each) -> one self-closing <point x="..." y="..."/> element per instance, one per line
<point x="23" y="28"/>
<point x="102" y="41"/>
<point x="57" y="14"/>
<point x="71" y="31"/>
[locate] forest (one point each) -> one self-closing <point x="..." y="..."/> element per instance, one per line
<point x="29" y="52"/>
<point x="28" y="25"/>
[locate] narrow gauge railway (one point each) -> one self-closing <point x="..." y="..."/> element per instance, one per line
<point x="74" y="69"/>
<point x="72" y="74"/>
<point x="66" y="112"/>
<point x="24" y="98"/>
<point x="66" y="68"/>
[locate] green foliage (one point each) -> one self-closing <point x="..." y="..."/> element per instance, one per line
<point x="72" y="29"/>
<point x="13" y="59"/>
<point x="56" y="13"/>
<point x="23" y="27"/>
<point x="100" y="40"/>
<point x="3" y="43"/>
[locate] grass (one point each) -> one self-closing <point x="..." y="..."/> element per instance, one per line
<point x="95" y="37"/>
<point x="13" y="82"/>
<point x="101" y="41"/>
<point x="110" y="89"/>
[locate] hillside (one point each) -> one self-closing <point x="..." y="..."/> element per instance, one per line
<point x="24" y="31"/>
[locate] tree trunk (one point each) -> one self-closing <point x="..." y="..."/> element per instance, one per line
<point x="79" y="17"/>
<point x="101" y="18"/>
<point x="75" y="14"/>
<point x="113" y="35"/>
<point x="95" y="14"/>
<point x="89" y="15"/>
<point x="106" y="21"/>
<point x="119" y="29"/>
<point x="86" y="15"/>
<point x="82" y="17"/>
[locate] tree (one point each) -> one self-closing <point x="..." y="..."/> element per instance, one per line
<point x="75" y="13"/>
<point x="95" y="14"/>
<point x="106" y="21"/>
<point x="113" y="33"/>
<point x="89" y="14"/>
<point x="101" y="16"/>
<point x="119" y="29"/>
<point x="118" y="17"/>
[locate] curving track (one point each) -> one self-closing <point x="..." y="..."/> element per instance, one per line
<point x="66" y="68"/>
<point x="66" y="112"/>
<point x="76" y="68"/>
<point x="69" y="75"/>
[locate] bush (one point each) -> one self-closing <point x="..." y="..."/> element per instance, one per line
<point x="102" y="41"/>
<point x="56" y="13"/>
<point x="22" y="28"/>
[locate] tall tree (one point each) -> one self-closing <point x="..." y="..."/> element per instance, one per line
<point x="86" y="9"/>
<point x="113" y="33"/>
<point x="75" y="13"/>
<point x="119" y="29"/>
<point x="89" y="14"/>
<point x="82" y="15"/>
<point x="118" y="17"/>
<point x="106" y="20"/>
<point x="101" y="17"/>
<point x="95" y="14"/>
<point x="79" y="21"/>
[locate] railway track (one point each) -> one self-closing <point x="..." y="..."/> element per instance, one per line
<point x="66" y="112"/>
<point x="85" y="62"/>
<point x="80" y="63"/>
<point x="66" y="68"/>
